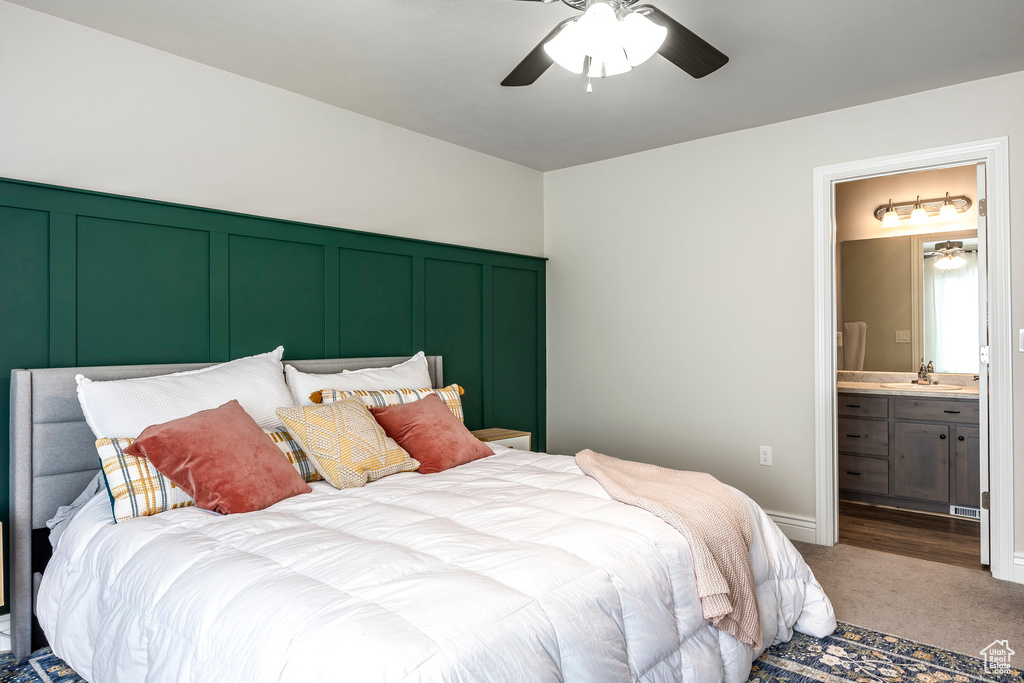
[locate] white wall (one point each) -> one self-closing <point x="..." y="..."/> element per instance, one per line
<point x="85" y="109"/>
<point x="680" y="288"/>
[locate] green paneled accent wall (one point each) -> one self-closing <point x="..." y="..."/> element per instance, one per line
<point x="376" y="289"/>
<point x="455" y="322"/>
<point x="95" y="279"/>
<point x="143" y="293"/>
<point x="277" y="297"/>
<point x="515" y="348"/>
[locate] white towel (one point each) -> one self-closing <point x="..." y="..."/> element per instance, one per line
<point x="854" y="338"/>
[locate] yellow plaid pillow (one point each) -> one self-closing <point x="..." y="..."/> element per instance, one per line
<point x="293" y="451"/>
<point x="346" y="444"/>
<point x="136" y="488"/>
<point x="393" y="397"/>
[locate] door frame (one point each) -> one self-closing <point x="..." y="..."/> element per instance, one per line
<point x="994" y="153"/>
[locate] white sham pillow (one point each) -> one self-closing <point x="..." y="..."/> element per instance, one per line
<point x="410" y="374"/>
<point x="122" y="408"/>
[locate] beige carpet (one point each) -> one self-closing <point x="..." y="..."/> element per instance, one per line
<point x="950" y="607"/>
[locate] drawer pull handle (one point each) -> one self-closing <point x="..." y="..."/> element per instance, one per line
<point x="853" y="436"/>
<point x="942" y="436"/>
<point x="952" y="412"/>
<point x="856" y="474"/>
<point x="960" y="438"/>
<point x="850" y="405"/>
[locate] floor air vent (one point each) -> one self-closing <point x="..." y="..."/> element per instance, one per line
<point x="973" y="513"/>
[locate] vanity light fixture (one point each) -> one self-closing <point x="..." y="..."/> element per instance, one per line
<point x="891" y="219"/>
<point x="929" y="207"/>
<point x="918" y="215"/>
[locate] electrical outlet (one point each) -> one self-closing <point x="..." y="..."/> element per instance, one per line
<point x="765" y="455"/>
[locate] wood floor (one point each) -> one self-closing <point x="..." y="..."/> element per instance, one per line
<point x="911" y="534"/>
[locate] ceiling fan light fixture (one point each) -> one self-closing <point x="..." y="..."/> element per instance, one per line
<point x="951" y="262"/>
<point x="641" y="37"/>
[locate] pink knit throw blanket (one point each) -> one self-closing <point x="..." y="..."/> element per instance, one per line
<point x="711" y="518"/>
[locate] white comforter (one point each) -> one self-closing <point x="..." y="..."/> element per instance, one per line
<point x="516" y="567"/>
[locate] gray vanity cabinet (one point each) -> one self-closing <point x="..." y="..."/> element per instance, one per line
<point x="921" y="467"/>
<point x="967" y="447"/>
<point x="909" y="452"/>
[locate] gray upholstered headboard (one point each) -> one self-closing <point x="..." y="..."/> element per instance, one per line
<point x="53" y="455"/>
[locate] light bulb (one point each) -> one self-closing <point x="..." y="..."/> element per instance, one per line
<point x="641" y="37"/>
<point x="890" y="219"/>
<point x="566" y="48"/>
<point x="948" y="211"/>
<point x="918" y="215"/>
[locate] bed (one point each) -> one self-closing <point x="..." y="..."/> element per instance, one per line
<point x="513" y="567"/>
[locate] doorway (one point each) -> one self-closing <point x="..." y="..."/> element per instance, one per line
<point x="909" y="289"/>
<point x="995" y="400"/>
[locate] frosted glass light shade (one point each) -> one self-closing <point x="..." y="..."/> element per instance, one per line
<point x="948" y="212"/>
<point x="918" y="215"/>
<point x="609" y="62"/>
<point x="566" y="48"/>
<point x="951" y="262"/>
<point x="641" y="37"/>
<point x="891" y="219"/>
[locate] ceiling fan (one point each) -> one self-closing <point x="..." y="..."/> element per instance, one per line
<point x="610" y="38"/>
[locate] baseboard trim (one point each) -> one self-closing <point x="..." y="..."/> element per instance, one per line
<point x="795" y="527"/>
<point x="1018" y="568"/>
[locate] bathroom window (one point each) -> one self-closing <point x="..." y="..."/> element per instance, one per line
<point x="951" y="316"/>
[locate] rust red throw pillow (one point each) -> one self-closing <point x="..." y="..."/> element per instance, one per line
<point x="430" y="433"/>
<point x="221" y="458"/>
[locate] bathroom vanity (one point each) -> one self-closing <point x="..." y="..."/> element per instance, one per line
<point x="916" y="449"/>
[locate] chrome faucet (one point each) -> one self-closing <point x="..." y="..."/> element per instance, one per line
<point x="922" y="375"/>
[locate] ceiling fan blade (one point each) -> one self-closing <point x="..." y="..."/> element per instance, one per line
<point x="535" y="64"/>
<point x="684" y="48"/>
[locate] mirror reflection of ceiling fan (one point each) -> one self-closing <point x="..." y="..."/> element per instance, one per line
<point x="613" y="36"/>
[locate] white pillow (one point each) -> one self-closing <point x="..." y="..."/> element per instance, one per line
<point x="410" y="374"/>
<point x="122" y="408"/>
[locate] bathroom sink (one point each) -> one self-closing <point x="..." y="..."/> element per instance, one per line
<point x="910" y="386"/>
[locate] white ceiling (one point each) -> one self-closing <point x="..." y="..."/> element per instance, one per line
<point x="434" y="66"/>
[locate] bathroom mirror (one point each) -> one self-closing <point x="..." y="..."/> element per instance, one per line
<point x="909" y="308"/>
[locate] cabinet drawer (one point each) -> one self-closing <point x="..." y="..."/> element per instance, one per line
<point x="868" y="475"/>
<point x="937" y="411"/>
<point x="859" y="405"/>
<point x="863" y="437"/>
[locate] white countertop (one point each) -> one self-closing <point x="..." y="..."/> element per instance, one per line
<point x="965" y="393"/>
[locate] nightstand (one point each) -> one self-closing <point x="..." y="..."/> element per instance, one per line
<point x="513" y="438"/>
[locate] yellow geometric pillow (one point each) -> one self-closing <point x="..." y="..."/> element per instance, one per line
<point x="346" y="444"/>
<point x="393" y="397"/>
<point x="136" y="488"/>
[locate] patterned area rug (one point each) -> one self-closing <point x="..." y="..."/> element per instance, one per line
<point x="42" y="666"/>
<point x="850" y="655"/>
<point x="856" y="655"/>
